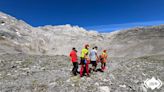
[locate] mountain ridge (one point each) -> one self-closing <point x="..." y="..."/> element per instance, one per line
<point x="18" y="36"/>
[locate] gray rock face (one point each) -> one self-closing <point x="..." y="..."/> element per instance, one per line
<point x="17" y="36"/>
<point x="35" y="59"/>
<point x="138" y="42"/>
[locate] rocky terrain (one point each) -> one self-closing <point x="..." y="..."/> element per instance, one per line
<point x="34" y="73"/>
<point x="35" y="59"/>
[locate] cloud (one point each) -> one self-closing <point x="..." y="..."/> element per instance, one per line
<point x="114" y="27"/>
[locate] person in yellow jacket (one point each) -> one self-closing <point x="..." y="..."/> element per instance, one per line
<point x="84" y="60"/>
<point x="103" y="59"/>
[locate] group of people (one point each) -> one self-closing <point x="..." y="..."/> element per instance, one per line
<point x="87" y="57"/>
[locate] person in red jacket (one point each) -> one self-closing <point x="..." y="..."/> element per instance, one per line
<point x="74" y="60"/>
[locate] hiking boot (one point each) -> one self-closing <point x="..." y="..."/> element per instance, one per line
<point x="78" y="72"/>
<point x="75" y="74"/>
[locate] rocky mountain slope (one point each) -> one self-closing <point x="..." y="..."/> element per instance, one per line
<point x="139" y="41"/>
<point x="17" y="36"/>
<point x="35" y="59"/>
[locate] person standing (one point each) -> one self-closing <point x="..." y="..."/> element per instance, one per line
<point x="74" y="60"/>
<point x="103" y="60"/>
<point x="94" y="58"/>
<point x="84" y="61"/>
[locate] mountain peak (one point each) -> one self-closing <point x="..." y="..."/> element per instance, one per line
<point x="19" y="36"/>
